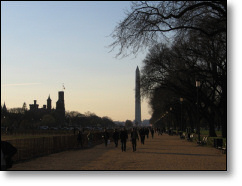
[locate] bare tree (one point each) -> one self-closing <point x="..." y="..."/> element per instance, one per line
<point x="149" y="23"/>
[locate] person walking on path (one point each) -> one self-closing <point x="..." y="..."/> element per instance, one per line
<point x="142" y="135"/>
<point x="79" y="139"/>
<point x="90" y="138"/>
<point x="116" y="137"/>
<point x="123" y="137"/>
<point x="152" y="132"/>
<point x="106" y="137"/>
<point x="159" y="131"/>
<point x="147" y="132"/>
<point x="134" y="137"/>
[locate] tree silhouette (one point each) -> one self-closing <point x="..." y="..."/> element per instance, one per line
<point x="149" y="23"/>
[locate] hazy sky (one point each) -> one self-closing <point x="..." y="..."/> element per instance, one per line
<point x="46" y="44"/>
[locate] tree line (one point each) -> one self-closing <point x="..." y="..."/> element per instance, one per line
<point x="186" y="42"/>
<point x="23" y="119"/>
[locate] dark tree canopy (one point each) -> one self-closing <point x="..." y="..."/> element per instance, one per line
<point x="171" y="71"/>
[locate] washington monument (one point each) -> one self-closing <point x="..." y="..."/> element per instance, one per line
<point x="137" y="98"/>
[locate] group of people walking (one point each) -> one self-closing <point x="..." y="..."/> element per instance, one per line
<point x="134" y="135"/>
<point x="122" y="135"/>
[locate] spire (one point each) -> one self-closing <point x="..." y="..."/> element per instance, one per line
<point x="4" y="107"/>
<point x="49" y="104"/>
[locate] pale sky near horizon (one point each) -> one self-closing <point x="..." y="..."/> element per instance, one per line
<point x="45" y="44"/>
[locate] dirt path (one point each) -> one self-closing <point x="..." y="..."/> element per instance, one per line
<point x="161" y="153"/>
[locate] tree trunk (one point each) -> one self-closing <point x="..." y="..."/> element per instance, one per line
<point x="191" y="118"/>
<point x="224" y="115"/>
<point x="212" y="132"/>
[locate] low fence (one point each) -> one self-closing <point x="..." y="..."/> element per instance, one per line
<point x="35" y="147"/>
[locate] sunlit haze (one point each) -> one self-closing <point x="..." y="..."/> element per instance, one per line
<point x="45" y="45"/>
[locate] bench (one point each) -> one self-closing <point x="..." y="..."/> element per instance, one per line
<point x="182" y="136"/>
<point x="190" y="137"/>
<point x="218" y="143"/>
<point x="203" y="142"/>
<point x="224" y="150"/>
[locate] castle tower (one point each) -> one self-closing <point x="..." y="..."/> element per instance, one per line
<point x="34" y="107"/>
<point x="60" y="108"/>
<point x="60" y="105"/>
<point x="49" y="104"/>
<point x="137" y="98"/>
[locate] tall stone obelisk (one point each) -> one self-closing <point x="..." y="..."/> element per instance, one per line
<point x="137" y="98"/>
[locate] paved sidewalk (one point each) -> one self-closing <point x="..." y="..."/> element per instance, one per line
<point x="161" y="153"/>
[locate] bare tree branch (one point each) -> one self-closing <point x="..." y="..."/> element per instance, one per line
<point x="149" y="23"/>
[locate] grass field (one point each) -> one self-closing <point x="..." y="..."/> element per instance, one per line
<point x="204" y="133"/>
<point x="210" y="141"/>
<point x="5" y="137"/>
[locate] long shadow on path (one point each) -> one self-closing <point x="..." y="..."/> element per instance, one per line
<point x="177" y="154"/>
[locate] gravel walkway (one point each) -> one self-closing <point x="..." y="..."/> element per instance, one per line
<point x="161" y="153"/>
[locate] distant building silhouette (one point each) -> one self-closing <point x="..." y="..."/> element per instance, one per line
<point x="37" y="113"/>
<point x="60" y="105"/>
<point x="34" y="107"/>
<point x="59" y="112"/>
<point x="60" y="108"/>
<point x="49" y="104"/>
<point x="3" y="109"/>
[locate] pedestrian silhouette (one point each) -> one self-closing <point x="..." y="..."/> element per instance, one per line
<point x="134" y="137"/>
<point x="79" y="139"/>
<point x="106" y="137"/>
<point x="142" y="135"/>
<point x="152" y="132"/>
<point x="116" y="137"/>
<point x="90" y="138"/>
<point x="147" y="132"/>
<point x="7" y="152"/>
<point x="123" y="137"/>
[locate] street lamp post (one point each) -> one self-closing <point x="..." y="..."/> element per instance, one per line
<point x="167" y="120"/>
<point x="181" y="100"/>
<point x="198" y="123"/>
<point x="170" y="117"/>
